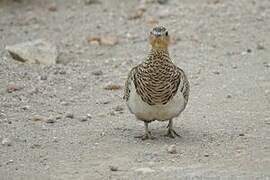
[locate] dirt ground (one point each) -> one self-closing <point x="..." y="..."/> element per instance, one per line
<point x="223" y="46"/>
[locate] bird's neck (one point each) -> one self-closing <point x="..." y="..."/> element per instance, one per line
<point x="157" y="54"/>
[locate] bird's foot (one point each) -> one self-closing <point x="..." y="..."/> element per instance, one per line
<point x="145" y="136"/>
<point x="172" y="134"/>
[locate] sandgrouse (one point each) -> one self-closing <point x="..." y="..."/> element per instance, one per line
<point x="157" y="89"/>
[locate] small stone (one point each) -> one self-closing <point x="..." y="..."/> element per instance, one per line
<point x="172" y="149"/>
<point x="145" y="170"/>
<point x="229" y="96"/>
<point x="13" y="87"/>
<point x="162" y="1"/>
<point x="50" y="120"/>
<point x="89" y="116"/>
<point x="52" y="8"/>
<point x="112" y="87"/>
<point x="234" y="67"/>
<point x="108" y="40"/>
<point x="64" y="103"/>
<point x="118" y="108"/>
<point x="55" y="139"/>
<point x="138" y="13"/>
<point x="241" y="134"/>
<point x="38" y="118"/>
<point x="10" y="161"/>
<point x="152" y="21"/>
<point x="62" y="72"/>
<point x="35" y="146"/>
<point x="93" y="40"/>
<point x="26" y="107"/>
<point x="89" y="2"/>
<point x="43" y="77"/>
<point x="249" y="50"/>
<point x="216" y="72"/>
<point x="267" y="121"/>
<point x="97" y="73"/>
<point x="6" y="142"/>
<point x="267" y="65"/>
<point x="58" y="117"/>
<point x="260" y="47"/>
<point x="83" y="119"/>
<point x="70" y="115"/>
<point x="105" y="102"/>
<point x="164" y="13"/>
<point x="113" y="168"/>
<point x="112" y="113"/>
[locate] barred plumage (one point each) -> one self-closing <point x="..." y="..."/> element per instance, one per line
<point x="157" y="89"/>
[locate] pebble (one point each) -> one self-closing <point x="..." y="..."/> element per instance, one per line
<point x="109" y="40"/>
<point x="43" y="77"/>
<point x="172" y="149"/>
<point x="162" y="1"/>
<point x="50" y="120"/>
<point x="89" y="116"/>
<point x="260" y="47"/>
<point x="70" y="115"/>
<point x="234" y="67"/>
<point x="83" y="119"/>
<point x="64" y="103"/>
<point x="10" y="161"/>
<point x="62" y="72"/>
<point x="35" y="146"/>
<point x="97" y="73"/>
<point x="216" y="72"/>
<point x="241" y="134"/>
<point x="118" y="108"/>
<point x="267" y="65"/>
<point x="26" y="107"/>
<point x="52" y="8"/>
<point x="138" y="13"/>
<point x="38" y="118"/>
<point x="6" y="142"/>
<point x="112" y="87"/>
<point x="145" y="170"/>
<point x="88" y="2"/>
<point x="229" y="96"/>
<point x="164" y="13"/>
<point x="113" y="168"/>
<point x="55" y="139"/>
<point x="12" y="87"/>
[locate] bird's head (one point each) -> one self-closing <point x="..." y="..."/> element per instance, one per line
<point x="159" y="38"/>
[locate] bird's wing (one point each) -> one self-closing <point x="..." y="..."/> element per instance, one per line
<point x="182" y="83"/>
<point x="128" y="83"/>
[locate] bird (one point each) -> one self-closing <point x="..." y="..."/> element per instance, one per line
<point x="157" y="89"/>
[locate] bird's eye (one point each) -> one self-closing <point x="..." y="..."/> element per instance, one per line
<point x="166" y="33"/>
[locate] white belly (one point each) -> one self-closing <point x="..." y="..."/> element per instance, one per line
<point x="146" y="112"/>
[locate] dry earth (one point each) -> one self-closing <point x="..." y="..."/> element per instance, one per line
<point x="224" y="47"/>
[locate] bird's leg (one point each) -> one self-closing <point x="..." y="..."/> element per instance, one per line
<point x="147" y="134"/>
<point x="171" y="132"/>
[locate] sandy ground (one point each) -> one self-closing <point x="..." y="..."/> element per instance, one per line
<point x="224" y="47"/>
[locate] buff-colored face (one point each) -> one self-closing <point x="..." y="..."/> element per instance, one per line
<point x="159" y="37"/>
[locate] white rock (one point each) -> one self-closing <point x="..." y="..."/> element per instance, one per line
<point x="6" y="142"/>
<point x="145" y="170"/>
<point x="172" y="149"/>
<point x="38" y="51"/>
